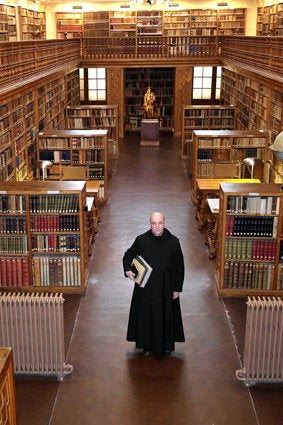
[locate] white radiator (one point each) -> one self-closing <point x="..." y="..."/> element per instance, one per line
<point x="263" y="352"/>
<point x="33" y="325"/>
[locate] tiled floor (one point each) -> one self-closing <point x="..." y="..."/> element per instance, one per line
<point x="111" y="383"/>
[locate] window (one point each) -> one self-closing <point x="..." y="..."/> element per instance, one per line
<point x="93" y="85"/>
<point x="206" y="85"/>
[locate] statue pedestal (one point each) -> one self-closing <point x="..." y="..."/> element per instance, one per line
<point x="149" y="132"/>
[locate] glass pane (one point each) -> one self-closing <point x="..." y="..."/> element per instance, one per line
<point x="207" y="82"/>
<point x="101" y="95"/>
<point x="207" y="71"/>
<point x="101" y="73"/>
<point x="92" y="84"/>
<point x="206" y="93"/>
<point x="197" y="83"/>
<point x="198" y="71"/>
<point x="197" y="93"/>
<point x="91" y="73"/>
<point x="101" y="84"/>
<point x="82" y="95"/>
<point x="217" y="94"/>
<point x="81" y="73"/>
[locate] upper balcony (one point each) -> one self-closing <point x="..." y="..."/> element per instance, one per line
<point x="25" y="61"/>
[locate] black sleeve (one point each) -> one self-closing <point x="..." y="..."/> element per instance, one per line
<point x="129" y="255"/>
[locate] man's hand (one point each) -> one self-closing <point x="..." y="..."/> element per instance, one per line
<point x="130" y="275"/>
<point x="175" y="295"/>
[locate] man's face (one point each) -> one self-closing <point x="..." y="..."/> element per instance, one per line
<point x="157" y="224"/>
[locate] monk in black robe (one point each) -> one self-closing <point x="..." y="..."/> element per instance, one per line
<point x="155" y="321"/>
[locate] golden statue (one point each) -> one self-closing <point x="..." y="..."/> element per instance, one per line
<point x="149" y="104"/>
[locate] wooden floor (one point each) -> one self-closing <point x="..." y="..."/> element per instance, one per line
<point x="111" y="383"/>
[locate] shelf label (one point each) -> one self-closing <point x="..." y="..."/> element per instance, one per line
<point x="53" y="192"/>
<point x="253" y="194"/>
<point x="3" y="192"/>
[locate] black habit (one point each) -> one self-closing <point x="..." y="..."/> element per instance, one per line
<point x="155" y="321"/>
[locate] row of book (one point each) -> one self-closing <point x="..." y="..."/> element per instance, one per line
<point x="54" y="203"/>
<point x="14" y="272"/>
<point x="55" y="223"/>
<point x="249" y="249"/>
<point x="55" y="243"/>
<point x="88" y="155"/>
<point x="56" y="271"/>
<point x="245" y="275"/>
<point x="14" y="245"/>
<point x="12" y="204"/>
<point x="10" y="224"/>
<point x="259" y="226"/>
<point x="253" y="204"/>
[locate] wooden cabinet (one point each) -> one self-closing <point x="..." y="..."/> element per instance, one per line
<point x="203" y="117"/>
<point x="220" y="153"/>
<point x="250" y="240"/>
<point x="268" y="20"/>
<point x="7" y="387"/>
<point x="76" y="155"/>
<point x="32" y="24"/>
<point x="43" y="240"/>
<point x="176" y="23"/>
<point x="161" y="81"/>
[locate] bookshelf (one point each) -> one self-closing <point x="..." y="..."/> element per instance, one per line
<point x="220" y="153"/>
<point x="161" y="81"/>
<point x="249" y="250"/>
<point x="149" y="22"/>
<point x="203" y="117"/>
<point x="96" y="24"/>
<point x="232" y="21"/>
<point x="177" y="23"/>
<point x="269" y="20"/>
<point x="100" y="117"/>
<point x="32" y="24"/>
<point x="123" y="24"/>
<point x="76" y="155"/>
<point x="69" y="25"/>
<point x="43" y="240"/>
<point x="8" y="413"/>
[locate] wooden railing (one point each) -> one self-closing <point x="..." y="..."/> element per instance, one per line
<point x="24" y="60"/>
<point x="149" y="47"/>
<point x="262" y="53"/>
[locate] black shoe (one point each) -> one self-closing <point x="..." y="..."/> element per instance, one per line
<point x="147" y="352"/>
<point x="167" y="353"/>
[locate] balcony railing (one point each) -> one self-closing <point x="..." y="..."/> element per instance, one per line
<point x="261" y="53"/>
<point x="24" y="60"/>
<point x="149" y="47"/>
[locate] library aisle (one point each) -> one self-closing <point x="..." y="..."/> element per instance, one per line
<point x="112" y="384"/>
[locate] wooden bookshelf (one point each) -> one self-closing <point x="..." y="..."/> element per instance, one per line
<point x="203" y="117"/>
<point x="43" y="245"/>
<point x="32" y="24"/>
<point x="69" y="25"/>
<point x="149" y="22"/>
<point x="76" y="155"/>
<point x="8" y="410"/>
<point x="220" y="153"/>
<point x="161" y="81"/>
<point x="100" y="117"/>
<point x="250" y="245"/>
<point x="176" y="23"/>
<point x="232" y="21"/>
<point x="123" y="24"/>
<point x="268" y="20"/>
<point x="96" y="24"/>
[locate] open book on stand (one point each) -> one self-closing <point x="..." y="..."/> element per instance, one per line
<point x="141" y="270"/>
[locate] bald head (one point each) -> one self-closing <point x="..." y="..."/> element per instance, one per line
<point x="157" y="223"/>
